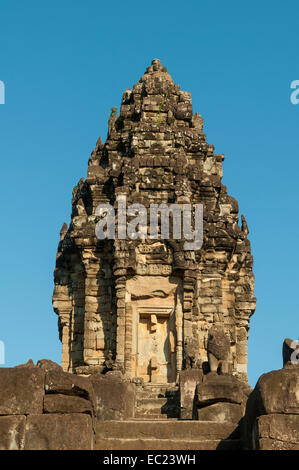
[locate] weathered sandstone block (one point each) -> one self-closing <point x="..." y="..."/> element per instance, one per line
<point x="68" y="384"/>
<point x="221" y="412"/>
<point x="12" y="432"/>
<point x="29" y="363"/>
<point x="57" y="403"/>
<point x="277" y="432"/>
<point x="59" y="432"/>
<point x="21" y="390"/>
<point x="46" y="365"/>
<point x="115" y="397"/>
<point x="272" y="410"/>
<point x="276" y="392"/>
<point x="221" y="388"/>
<point x="189" y="379"/>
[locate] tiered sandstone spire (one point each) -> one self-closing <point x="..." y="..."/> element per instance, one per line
<point x="145" y="306"/>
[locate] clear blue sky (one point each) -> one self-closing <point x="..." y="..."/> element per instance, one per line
<point x="66" y="63"/>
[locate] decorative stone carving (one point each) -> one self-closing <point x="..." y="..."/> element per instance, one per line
<point x="218" y="350"/>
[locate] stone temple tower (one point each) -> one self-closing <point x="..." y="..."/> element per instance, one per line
<point x="145" y="306"/>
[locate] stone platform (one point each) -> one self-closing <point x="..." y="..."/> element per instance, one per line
<point x="166" y="435"/>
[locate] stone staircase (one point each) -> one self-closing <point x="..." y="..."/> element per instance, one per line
<point x="157" y="426"/>
<point x="154" y="401"/>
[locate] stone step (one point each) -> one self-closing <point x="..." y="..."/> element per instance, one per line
<point x="161" y="385"/>
<point x="164" y="412"/>
<point x="152" y="386"/>
<point x="166" y="444"/>
<point x="163" y="429"/>
<point x="148" y="416"/>
<point x="155" y="402"/>
<point x="153" y="391"/>
<point x="148" y="411"/>
<point x="157" y="394"/>
<point x="160" y="406"/>
<point x="172" y="393"/>
<point x="169" y="413"/>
